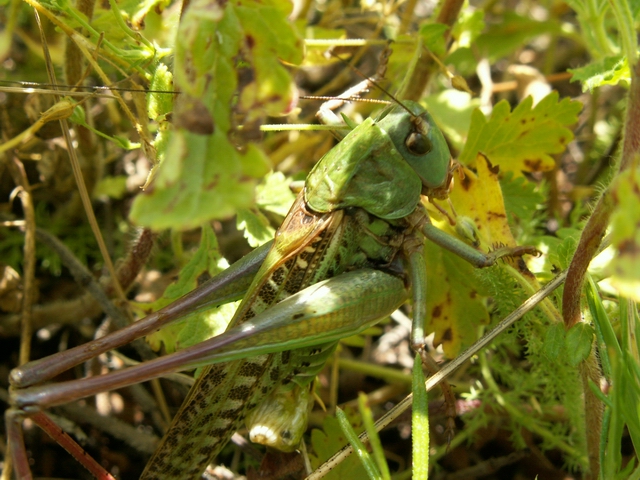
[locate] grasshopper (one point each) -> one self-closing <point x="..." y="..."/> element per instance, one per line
<point x="347" y="255"/>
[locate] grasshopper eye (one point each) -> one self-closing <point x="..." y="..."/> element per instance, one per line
<point x="418" y="143"/>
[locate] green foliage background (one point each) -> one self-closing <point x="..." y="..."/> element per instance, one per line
<point x="215" y="186"/>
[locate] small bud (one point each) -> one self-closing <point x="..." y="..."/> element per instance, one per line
<point x="460" y="84"/>
<point x="466" y="229"/>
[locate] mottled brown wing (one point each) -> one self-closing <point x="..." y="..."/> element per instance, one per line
<point x="223" y="394"/>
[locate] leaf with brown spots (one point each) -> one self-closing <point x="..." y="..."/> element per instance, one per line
<point x="481" y="201"/>
<point x="525" y="139"/>
<point x="455" y="307"/>
<point x="228" y="69"/>
<point x="625" y="235"/>
<point x="456" y="301"/>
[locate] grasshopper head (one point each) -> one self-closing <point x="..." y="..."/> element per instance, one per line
<point x="421" y="143"/>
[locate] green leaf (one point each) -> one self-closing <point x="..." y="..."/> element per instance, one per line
<point x="554" y="341"/>
<point x="521" y="197"/>
<point x="202" y="177"/>
<point x="452" y="110"/>
<point x="330" y="439"/>
<point x="265" y="24"/>
<point x="273" y="194"/>
<point x="464" y="61"/>
<point x="193" y="329"/>
<point x="112" y="187"/>
<point x="255" y="226"/>
<point x="203" y="174"/>
<point x="563" y="253"/>
<point x="433" y="37"/>
<point x="578" y="342"/>
<point x="511" y="33"/>
<point x="468" y="27"/>
<point x="522" y="140"/>
<point x="607" y="71"/>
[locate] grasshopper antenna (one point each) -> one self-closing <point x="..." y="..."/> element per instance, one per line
<point x="35" y="87"/>
<point x="353" y="98"/>
<point x="420" y="124"/>
<point x="384" y="58"/>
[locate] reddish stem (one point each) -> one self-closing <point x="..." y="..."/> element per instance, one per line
<point x="599" y="220"/>
<point x="70" y="445"/>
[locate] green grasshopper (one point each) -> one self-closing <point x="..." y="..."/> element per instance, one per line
<point x="346" y="256"/>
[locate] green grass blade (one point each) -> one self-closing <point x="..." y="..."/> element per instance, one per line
<point x="358" y="447"/>
<point x="420" y="423"/>
<point x="374" y="439"/>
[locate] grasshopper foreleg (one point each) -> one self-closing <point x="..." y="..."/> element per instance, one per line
<point x="475" y="257"/>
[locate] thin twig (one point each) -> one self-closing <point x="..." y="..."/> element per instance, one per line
<point x="29" y="265"/>
<point x="66" y="312"/>
<point x="77" y="172"/>
<point x="140" y="440"/>
<point x="84" y="278"/>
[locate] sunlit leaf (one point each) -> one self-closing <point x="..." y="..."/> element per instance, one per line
<point x="432" y="36"/>
<point x="456" y="300"/>
<point x="192" y="329"/>
<point x="274" y="194"/>
<point x="479" y="196"/>
<point x="608" y="71"/>
<point x="255" y="227"/>
<point x="452" y="110"/>
<point x="228" y="66"/>
<point x="525" y="139"/>
<point x="469" y="26"/>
